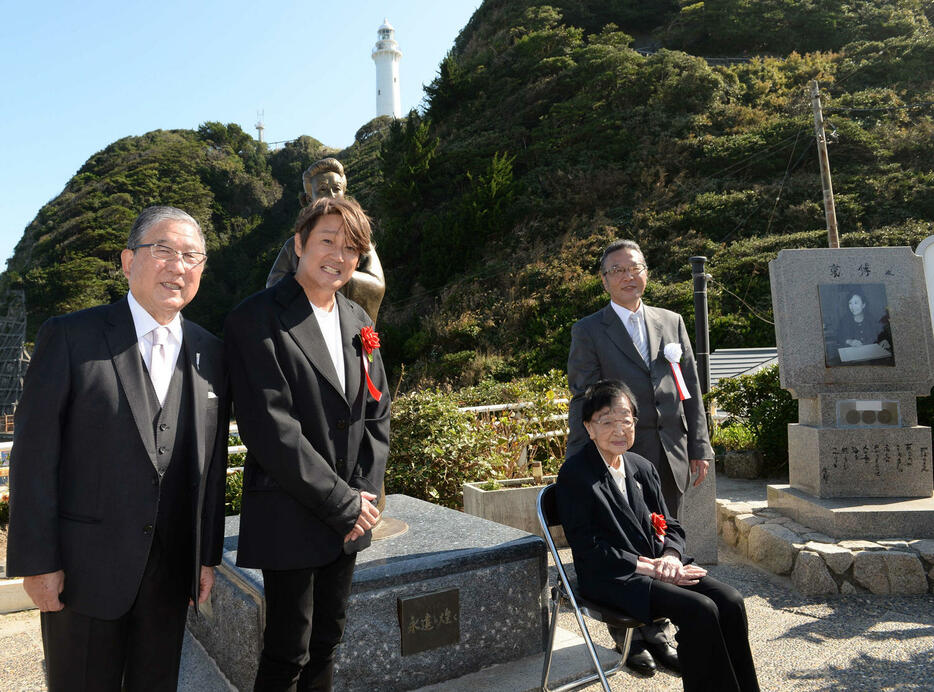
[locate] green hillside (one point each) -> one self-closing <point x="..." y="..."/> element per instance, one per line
<point x="546" y="135"/>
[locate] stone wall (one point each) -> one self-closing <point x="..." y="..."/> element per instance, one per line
<point x="820" y="565"/>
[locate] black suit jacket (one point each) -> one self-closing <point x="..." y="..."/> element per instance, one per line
<point x="668" y="429"/>
<point x="84" y="484"/>
<point x="607" y="534"/>
<point x="312" y="444"/>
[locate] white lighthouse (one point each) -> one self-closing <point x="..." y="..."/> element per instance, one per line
<point x="386" y="55"/>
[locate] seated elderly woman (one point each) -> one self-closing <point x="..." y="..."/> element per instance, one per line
<point x="629" y="553"/>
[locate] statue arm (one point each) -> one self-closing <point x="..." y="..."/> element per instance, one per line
<point x="286" y="262"/>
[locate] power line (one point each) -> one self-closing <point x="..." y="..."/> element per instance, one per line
<point x="748" y="306"/>
<point x="911" y="106"/>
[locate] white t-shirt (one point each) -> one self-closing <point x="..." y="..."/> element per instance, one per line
<point x="330" y="325"/>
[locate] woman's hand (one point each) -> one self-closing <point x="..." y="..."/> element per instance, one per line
<point x="669" y="569"/>
<point x="854" y="342"/>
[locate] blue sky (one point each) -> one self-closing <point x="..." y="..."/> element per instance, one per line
<point x="76" y="76"/>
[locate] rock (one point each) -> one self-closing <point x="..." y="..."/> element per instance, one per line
<point x="889" y="572"/>
<point x="857" y="544"/>
<point x="728" y="532"/>
<point x="770" y="545"/>
<point x="811" y="576"/>
<point x="905" y="572"/>
<point x="770" y="513"/>
<point x="799" y="529"/>
<point x="894" y="544"/>
<point x="731" y="509"/>
<point x="924" y="548"/>
<point x="743" y="523"/>
<point x="837" y="558"/>
<point x="869" y="571"/>
<point x="847" y="588"/>
<point x="746" y="464"/>
<point x="818" y="537"/>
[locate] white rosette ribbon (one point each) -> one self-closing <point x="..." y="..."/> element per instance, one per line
<point x="673" y="353"/>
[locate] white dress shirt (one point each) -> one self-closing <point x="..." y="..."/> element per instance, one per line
<point x="618" y="475"/>
<point x="144" y="323"/>
<point x="624" y="314"/>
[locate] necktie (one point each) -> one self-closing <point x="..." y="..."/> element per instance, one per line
<point x="159" y="371"/>
<point x="638" y="338"/>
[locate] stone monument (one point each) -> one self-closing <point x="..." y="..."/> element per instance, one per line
<point x="855" y="348"/>
<point x="453" y="595"/>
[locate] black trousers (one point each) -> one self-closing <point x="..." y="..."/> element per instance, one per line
<point x="139" y="651"/>
<point x="654" y="632"/>
<point x="305" y="614"/>
<point x="713" y="634"/>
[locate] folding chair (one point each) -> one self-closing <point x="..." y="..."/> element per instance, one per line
<point x="565" y="592"/>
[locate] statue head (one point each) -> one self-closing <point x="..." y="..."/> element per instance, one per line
<point x="324" y="178"/>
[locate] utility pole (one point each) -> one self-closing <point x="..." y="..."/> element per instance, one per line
<point x="833" y="238"/>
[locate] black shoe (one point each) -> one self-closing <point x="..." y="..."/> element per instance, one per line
<point x="640" y="660"/>
<point x="665" y="654"/>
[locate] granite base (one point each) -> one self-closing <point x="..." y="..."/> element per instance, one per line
<point x="500" y="572"/>
<point x="860" y="462"/>
<point x="856" y="517"/>
<point x="699" y="519"/>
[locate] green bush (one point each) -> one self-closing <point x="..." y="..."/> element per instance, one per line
<point x="761" y="404"/>
<point x="233" y="493"/>
<point x="732" y="436"/>
<point x="435" y="448"/>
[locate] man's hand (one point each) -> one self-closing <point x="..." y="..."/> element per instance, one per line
<point x="699" y="466"/>
<point x="367" y="519"/>
<point x="205" y="584"/>
<point x="44" y="590"/>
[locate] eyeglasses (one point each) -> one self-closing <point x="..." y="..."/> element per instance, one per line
<point x="632" y="270"/>
<point x="164" y="253"/>
<point x="613" y="424"/>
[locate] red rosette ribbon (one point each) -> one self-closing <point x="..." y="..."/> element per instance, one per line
<point x="659" y="524"/>
<point x="370" y="342"/>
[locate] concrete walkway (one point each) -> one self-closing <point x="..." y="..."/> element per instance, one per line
<point x="860" y="642"/>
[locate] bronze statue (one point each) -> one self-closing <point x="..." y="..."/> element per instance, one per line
<point x="325" y="178"/>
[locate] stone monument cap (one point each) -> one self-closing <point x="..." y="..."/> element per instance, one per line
<point x="852" y="320"/>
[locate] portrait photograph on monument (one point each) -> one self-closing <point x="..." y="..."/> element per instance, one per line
<point x="856" y="325"/>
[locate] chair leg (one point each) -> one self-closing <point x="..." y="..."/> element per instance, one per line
<point x="552" y="630"/>
<point x="593" y="652"/>
<point x="627" y="642"/>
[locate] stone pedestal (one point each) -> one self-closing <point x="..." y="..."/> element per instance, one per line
<point x="860" y="462"/>
<point x="500" y="574"/>
<point x="859" y="517"/>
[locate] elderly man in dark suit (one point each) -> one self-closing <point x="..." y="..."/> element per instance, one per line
<point x="117" y="477"/>
<point x="311" y="401"/>
<point x="648" y="349"/>
<point x="629" y="550"/>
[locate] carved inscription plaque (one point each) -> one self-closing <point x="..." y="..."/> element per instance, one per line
<point x="429" y="621"/>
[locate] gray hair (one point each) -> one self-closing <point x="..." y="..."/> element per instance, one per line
<point x="150" y="216"/>
<point x="620" y="245"/>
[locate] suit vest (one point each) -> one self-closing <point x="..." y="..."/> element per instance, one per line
<point x="171" y="423"/>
